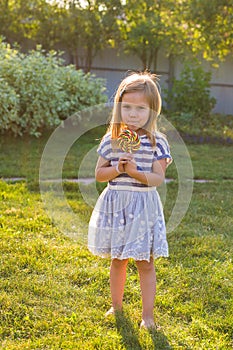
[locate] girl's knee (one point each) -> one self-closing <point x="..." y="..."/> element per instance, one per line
<point x="145" y="266"/>
<point x="117" y="263"/>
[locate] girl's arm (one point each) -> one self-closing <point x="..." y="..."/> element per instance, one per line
<point x="156" y="178"/>
<point x="105" y="172"/>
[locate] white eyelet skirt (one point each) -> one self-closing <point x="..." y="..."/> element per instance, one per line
<point x="128" y="223"/>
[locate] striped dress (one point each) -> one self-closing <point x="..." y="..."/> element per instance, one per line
<point x="128" y="220"/>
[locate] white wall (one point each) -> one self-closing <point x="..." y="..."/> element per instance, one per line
<point x="113" y="67"/>
<point x="222" y="86"/>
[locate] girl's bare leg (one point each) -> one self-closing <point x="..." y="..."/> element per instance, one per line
<point x="117" y="283"/>
<point x="148" y="288"/>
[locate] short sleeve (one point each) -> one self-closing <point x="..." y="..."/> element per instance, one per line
<point x="162" y="150"/>
<point x="105" y="148"/>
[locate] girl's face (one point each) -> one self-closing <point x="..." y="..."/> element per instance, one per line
<point x="135" y="110"/>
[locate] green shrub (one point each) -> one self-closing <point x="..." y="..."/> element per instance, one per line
<point x="9" y="106"/>
<point x="190" y="95"/>
<point x="37" y="91"/>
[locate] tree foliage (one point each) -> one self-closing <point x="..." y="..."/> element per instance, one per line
<point x="142" y="30"/>
<point x="140" y="27"/>
<point x="148" y="26"/>
<point x="209" y="25"/>
<point x="20" y="20"/>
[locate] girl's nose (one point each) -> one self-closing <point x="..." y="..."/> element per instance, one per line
<point x="133" y="113"/>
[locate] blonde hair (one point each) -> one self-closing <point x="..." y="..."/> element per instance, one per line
<point x="146" y="83"/>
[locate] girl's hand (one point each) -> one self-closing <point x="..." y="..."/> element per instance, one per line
<point x="122" y="162"/>
<point x="131" y="166"/>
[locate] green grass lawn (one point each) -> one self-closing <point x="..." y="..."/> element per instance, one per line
<point x="54" y="293"/>
<point x="20" y="157"/>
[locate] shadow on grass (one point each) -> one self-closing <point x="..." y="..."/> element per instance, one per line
<point x="130" y="335"/>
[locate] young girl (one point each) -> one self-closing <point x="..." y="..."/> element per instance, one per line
<point x="128" y="221"/>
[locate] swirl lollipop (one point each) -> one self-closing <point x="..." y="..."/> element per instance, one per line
<point x="129" y="141"/>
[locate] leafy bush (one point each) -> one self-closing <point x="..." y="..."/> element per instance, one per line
<point x="37" y="91"/>
<point x="217" y="129"/>
<point x="9" y="105"/>
<point x="190" y="95"/>
<point x="191" y="106"/>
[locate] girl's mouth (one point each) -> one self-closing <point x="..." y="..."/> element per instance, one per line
<point x="132" y="126"/>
